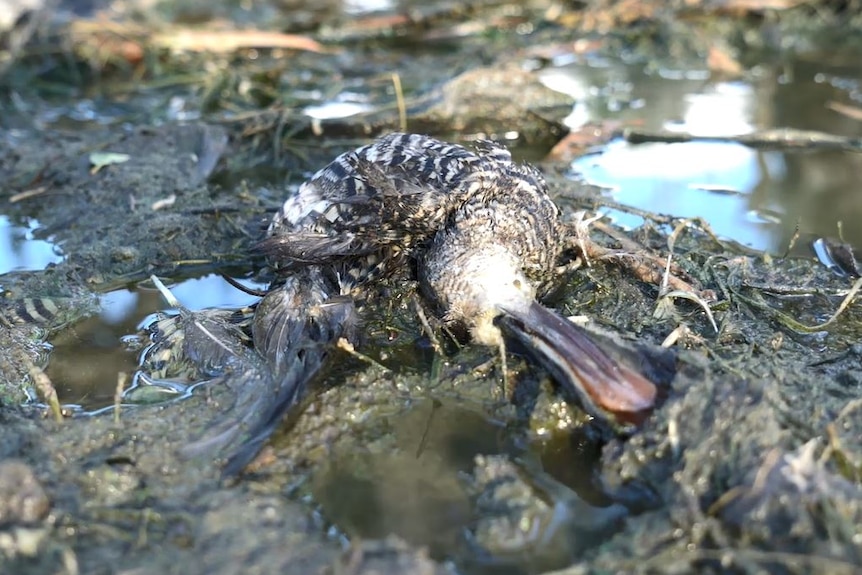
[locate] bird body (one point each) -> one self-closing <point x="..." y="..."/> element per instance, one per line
<point x="485" y="237"/>
<point x="498" y="250"/>
<point x="365" y="212"/>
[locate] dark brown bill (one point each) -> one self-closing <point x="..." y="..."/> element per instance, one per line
<point x="607" y="389"/>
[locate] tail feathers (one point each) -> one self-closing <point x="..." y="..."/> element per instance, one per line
<point x="607" y="389"/>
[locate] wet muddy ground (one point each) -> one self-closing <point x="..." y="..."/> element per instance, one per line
<point x="412" y="460"/>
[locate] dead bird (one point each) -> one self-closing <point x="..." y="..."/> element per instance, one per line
<point x="486" y="237"/>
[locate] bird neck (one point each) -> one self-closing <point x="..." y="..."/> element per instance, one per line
<point x="491" y="280"/>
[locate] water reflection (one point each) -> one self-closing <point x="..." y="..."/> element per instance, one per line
<point x="757" y="197"/>
<point x="336" y="109"/>
<point x="20" y="250"/>
<point x="681" y="179"/>
<point x="360" y="7"/>
<point x="88" y="357"/>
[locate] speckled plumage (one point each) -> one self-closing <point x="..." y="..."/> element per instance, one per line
<point x="484" y="234"/>
<point x="498" y="249"/>
<point x="365" y="213"/>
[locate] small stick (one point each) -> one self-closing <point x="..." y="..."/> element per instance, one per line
<point x="776" y="139"/>
<point x="504" y="365"/>
<point x="45" y="388"/>
<point x="118" y="394"/>
<point x="344" y="345"/>
<point x="426" y="325"/>
<point x="399" y="99"/>
<point x="170" y="298"/>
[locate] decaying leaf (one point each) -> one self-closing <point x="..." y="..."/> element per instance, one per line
<point x="99" y="160"/>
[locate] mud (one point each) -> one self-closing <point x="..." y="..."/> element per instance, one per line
<point x="426" y="463"/>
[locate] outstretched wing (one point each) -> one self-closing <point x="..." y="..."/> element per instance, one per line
<point x="295" y="328"/>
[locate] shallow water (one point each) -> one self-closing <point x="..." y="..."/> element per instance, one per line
<point x="756" y="197"/>
<point x="87" y="358"/>
<point x="22" y="250"/>
<point x="375" y="494"/>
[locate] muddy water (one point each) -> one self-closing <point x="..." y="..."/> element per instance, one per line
<point x="87" y="358"/>
<point x="20" y="249"/>
<point x="759" y="198"/>
<point x="429" y="450"/>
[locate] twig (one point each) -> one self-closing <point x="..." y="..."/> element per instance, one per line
<point x="344" y="345"/>
<point x="170" y="298"/>
<point x="399" y="99"/>
<point x="118" y="394"/>
<point x="644" y="266"/>
<point x="582" y="232"/>
<point x="426" y="326"/>
<point x="852" y="112"/>
<point x="781" y="138"/>
<point x="164" y="203"/>
<point x="793" y="239"/>
<point x="27" y="194"/>
<point x="45" y="387"/>
<point x="423" y="441"/>
<point x="664" y="292"/>
<point x="628" y="245"/>
<point x="689" y="295"/>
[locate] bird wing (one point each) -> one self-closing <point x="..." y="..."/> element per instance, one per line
<point x="295" y="327"/>
<point x="397" y="190"/>
<point x="295" y="341"/>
